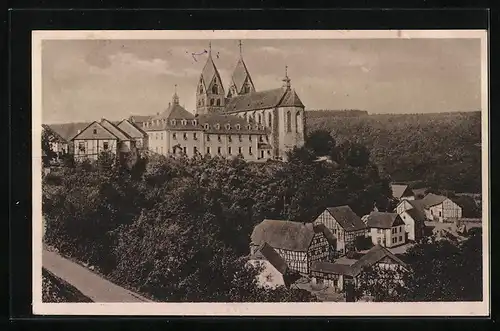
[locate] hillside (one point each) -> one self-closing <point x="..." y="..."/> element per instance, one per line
<point x="440" y="150"/>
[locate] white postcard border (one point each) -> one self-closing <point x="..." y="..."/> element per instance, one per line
<point x="251" y="309"/>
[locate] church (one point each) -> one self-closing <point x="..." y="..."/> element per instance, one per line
<point x="256" y="125"/>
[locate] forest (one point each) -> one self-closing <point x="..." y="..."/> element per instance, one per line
<point x="441" y="151"/>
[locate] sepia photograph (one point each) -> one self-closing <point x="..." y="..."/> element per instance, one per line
<point x="260" y="173"/>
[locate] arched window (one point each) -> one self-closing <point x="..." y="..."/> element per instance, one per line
<point x="218" y="102"/>
<point x="172" y="122"/>
<point x="288" y="121"/>
<point x="211" y="102"/>
<point x="201" y="88"/>
<point x="297" y="120"/>
<point x="260" y="119"/>
<point x="270" y="119"/>
<point x="207" y="126"/>
<point x="215" y="89"/>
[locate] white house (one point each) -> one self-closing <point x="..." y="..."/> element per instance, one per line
<point x="345" y="226"/>
<point x="413" y="215"/>
<point x="386" y="229"/>
<point x="440" y="208"/>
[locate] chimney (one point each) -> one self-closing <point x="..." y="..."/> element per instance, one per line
<point x="158" y="113"/>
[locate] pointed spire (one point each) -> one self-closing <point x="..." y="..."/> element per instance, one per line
<point x="175" y="98"/>
<point x="286" y="80"/>
<point x="209" y="48"/>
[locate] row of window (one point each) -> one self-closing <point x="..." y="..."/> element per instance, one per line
<point x="219" y="151"/>
<point x="213" y="102"/>
<point x="395" y="239"/>
<point x="195" y="137"/>
<point x="395" y="230"/>
<point x="82" y="147"/>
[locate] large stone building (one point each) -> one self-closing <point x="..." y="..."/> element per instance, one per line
<point x="257" y="125"/>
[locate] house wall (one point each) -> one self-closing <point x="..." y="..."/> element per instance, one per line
<point x="345" y="239"/>
<point x="334" y="281"/>
<point x="93" y="147"/>
<point x="319" y="250"/>
<point x="288" y="139"/>
<point x="446" y="210"/>
<point x="402" y="206"/>
<point x="394" y="236"/>
<point x="409" y="225"/>
<point x="295" y="260"/>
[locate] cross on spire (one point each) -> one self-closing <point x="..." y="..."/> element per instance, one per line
<point x="239" y="44"/>
<point x="210" y="48"/>
<point x="286" y="80"/>
<point x="175" y="98"/>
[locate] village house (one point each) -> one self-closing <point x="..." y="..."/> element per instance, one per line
<point x="275" y="271"/>
<point x="386" y="229"/>
<point x="338" y="275"/>
<point x="87" y="140"/>
<point x="413" y="214"/>
<point x="299" y="244"/>
<point x="345" y="225"/>
<point x="402" y="191"/>
<point x="440" y="208"/>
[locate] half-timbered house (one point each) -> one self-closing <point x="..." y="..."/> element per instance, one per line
<point x="440" y="208"/>
<point x="345" y="225"/>
<point x="338" y="275"/>
<point x="299" y="244"/>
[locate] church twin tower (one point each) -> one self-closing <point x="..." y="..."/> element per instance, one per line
<point x="210" y="94"/>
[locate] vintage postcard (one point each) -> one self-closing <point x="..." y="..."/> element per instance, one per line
<point x="286" y="173"/>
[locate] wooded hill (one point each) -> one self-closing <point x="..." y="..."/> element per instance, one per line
<point x="439" y="150"/>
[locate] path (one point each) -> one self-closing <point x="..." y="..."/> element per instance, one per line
<point x="90" y="284"/>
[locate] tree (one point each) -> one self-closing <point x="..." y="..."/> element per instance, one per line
<point x="47" y="153"/>
<point x="382" y="284"/>
<point x="320" y="142"/>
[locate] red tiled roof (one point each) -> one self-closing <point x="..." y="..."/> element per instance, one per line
<point x="347" y="218"/>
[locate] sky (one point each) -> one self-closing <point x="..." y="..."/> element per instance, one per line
<point x="86" y="80"/>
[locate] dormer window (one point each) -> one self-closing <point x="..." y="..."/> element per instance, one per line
<point x="238" y="127"/>
<point x="249" y="127"/>
<point x="217" y="126"/>
<point x="184" y="122"/>
<point x="157" y="122"/>
<point x="195" y="122"/>
<point x="172" y="122"/>
<point x="207" y="126"/>
<point x="228" y="126"/>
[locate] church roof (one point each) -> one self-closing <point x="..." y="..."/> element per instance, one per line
<point x="279" y="97"/>
<point x="209" y="72"/>
<point x="240" y="75"/>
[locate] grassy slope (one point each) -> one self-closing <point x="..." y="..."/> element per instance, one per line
<point x="56" y="290"/>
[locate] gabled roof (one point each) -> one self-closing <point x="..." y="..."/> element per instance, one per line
<point x="273" y="257"/>
<point x="374" y="255"/>
<point x="432" y="199"/>
<point x="291" y="99"/>
<point x="240" y="75"/>
<point x="114" y="130"/>
<point x="131" y="129"/>
<point x="100" y="133"/>
<point x="416" y="214"/>
<point x="289" y="235"/>
<point x="383" y="220"/>
<point x="399" y="191"/>
<point x="256" y="100"/>
<point x="331" y="268"/>
<point x="209" y="72"/>
<point x="139" y="119"/>
<point x="67" y="130"/>
<point x="347" y="218"/>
